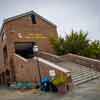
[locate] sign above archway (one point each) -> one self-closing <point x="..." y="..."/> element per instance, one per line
<point x="36" y="36"/>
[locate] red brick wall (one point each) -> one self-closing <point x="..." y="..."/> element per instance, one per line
<point x="50" y="57"/>
<point x="24" y="25"/>
<point x="24" y="69"/>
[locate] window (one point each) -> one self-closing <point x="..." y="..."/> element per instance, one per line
<point x="33" y="19"/>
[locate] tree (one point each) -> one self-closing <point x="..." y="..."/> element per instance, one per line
<point x="93" y="51"/>
<point x="58" y="45"/>
<point x="76" y="43"/>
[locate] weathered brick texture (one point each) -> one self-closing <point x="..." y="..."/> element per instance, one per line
<point x="24" y="26"/>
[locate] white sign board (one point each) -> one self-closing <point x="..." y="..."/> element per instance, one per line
<point x="52" y="73"/>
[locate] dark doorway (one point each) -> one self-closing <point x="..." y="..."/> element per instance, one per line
<point x="24" y="49"/>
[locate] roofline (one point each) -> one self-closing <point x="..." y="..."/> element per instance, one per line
<point x="22" y="15"/>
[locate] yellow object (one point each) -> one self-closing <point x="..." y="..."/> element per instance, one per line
<point x="62" y="80"/>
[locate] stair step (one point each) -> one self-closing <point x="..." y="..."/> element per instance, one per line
<point x="85" y="78"/>
<point x="83" y="81"/>
<point x="82" y="71"/>
<point x="83" y="75"/>
<point x="83" y="68"/>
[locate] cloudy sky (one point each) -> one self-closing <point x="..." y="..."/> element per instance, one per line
<point x="66" y="14"/>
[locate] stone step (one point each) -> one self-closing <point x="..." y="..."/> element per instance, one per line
<point x="83" y="68"/>
<point x="80" y="74"/>
<point x="85" y="80"/>
<point x="83" y="75"/>
<point x="78" y="70"/>
<point x="81" y="78"/>
<point x="87" y="70"/>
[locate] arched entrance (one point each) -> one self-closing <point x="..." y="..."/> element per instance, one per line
<point x="24" y="49"/>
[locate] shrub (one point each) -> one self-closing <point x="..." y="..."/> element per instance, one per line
<point x="76" y="43"/>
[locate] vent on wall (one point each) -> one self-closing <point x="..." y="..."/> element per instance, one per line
<point x="33" y="17"/>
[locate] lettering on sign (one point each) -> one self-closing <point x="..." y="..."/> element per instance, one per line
<point x="32" y="36"/>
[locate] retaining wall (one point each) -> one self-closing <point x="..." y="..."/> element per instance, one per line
<point x="92" y="63"/>
<point x="50" y="57"/>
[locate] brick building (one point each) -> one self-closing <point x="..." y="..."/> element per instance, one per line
<point x="18" y="36"/>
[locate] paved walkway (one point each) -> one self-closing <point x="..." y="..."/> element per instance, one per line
<point x="87" y="91"/>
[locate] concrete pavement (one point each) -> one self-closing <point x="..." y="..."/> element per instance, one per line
<point x="86" y="91"/>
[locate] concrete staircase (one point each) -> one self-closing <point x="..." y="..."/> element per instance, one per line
<point x="80" y="74"/>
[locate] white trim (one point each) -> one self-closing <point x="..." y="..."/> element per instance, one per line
<point x="52" y="65"/>
<point x="21" y="58"/>
<point x="50" y="54"/>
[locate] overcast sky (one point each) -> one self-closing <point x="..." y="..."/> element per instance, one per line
<point x="66" y="14"/>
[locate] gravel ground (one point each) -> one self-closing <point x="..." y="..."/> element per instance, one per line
<point x="86" y="91"/>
